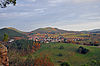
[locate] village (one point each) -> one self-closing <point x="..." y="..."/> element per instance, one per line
<point x="58" y="37"/>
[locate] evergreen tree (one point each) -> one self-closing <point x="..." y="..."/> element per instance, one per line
<point x="5" y="37"/>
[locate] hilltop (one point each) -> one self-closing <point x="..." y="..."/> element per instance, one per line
<point x="11" y="28"/>
<point x="12" y="32"/>
<point x="50" y="30"/>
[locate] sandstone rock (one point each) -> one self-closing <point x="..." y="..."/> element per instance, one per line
<point x="3" y="56"/>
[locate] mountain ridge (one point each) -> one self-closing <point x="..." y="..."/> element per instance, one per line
<point x="94" y="30"/>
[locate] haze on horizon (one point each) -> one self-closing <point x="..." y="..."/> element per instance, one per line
<point x="29" y="15"/>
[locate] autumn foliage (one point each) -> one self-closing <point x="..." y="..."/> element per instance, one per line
<point x="43" y="61"/>
<point x="36" y="46"/>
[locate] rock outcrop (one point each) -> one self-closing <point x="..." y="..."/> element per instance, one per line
<point x="3" y="56"/>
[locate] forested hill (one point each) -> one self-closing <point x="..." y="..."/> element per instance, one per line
<point x="11" y="33"/>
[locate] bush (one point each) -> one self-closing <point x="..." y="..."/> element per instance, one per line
<point x="21" y="45"/>
<point x="65" y="64"/>
<point x="29" y="61"/>
<point x="60" y="54"/>
<point x="82" y="50"/>
<point x="61" y="47"/>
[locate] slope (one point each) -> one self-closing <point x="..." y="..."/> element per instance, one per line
<point x="11" y="33"/>
<point x="69" y="53"/>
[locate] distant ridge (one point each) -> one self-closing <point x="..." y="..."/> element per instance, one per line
<point x="13" y="32"/>
<point x="92" y="31"/>
<point x="95" y="31"/>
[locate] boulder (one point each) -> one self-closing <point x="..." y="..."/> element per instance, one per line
<point x="4" y="61"/>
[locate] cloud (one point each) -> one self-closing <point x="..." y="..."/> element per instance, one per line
<point x="34" y="0"/>
<point x="83" y="1"/>
<point x="23" y="5"/>
<point x="69" y="14"/>
<point x="40" y="10"/>
<point x="83" y="26"/>
<point x="31" y="0"/>
<point x="90" y="16"/>
<point x="78" y="26"/>
<point x="57" y="1"/>
<point x="54" y="2"/>
<point x="71" y="1"/>
<point x="16" y="14"/>
<point x="24" y="13"/>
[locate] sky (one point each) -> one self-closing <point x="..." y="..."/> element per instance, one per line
<point x="28" y="15"/>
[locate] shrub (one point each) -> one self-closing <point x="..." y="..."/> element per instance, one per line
<point x="60" y="54"/>
<point x="29" y="61"/>
<point x="43" y="61"/>
<point x="61" y="47"/>
<point x="82" y="50"/>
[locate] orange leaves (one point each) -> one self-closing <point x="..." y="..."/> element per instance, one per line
<point x="43" y="61"/>
<point x="96" y="42"/>
<point x="53" y="29"/>
<point x="36" y="46"/>
<point x="49" y="31"/>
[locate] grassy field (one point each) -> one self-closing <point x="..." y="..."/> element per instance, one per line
<point x="69" y="53"/>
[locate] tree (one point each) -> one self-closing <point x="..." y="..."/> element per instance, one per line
<point x="5" y="37"/>
<point x="36" y="46"/>
<point x="4" y="3"/>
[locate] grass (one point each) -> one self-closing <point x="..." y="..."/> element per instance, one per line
<point x="69" y="53"/>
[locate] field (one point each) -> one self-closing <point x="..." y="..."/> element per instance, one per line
<point x="69" y="53"/>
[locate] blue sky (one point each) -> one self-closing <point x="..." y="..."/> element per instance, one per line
<point x="74" y="15"/>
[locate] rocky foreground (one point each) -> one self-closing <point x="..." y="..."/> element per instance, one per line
<point x="3" y="56"/>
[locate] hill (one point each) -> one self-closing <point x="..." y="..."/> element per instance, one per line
<point x="15" y="29"/>
<point x="95" y="31"/>
<point x="92" y="31"/>
<point x="11" y="33"/>
<point x="50" y="30"/>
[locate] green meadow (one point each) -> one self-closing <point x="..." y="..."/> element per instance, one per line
<point x="68" y="54"/>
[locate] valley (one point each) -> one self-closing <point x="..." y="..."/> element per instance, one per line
<point x="51" y="46"/>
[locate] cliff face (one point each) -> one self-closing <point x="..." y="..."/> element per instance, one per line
<point x="3" y="56"/>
